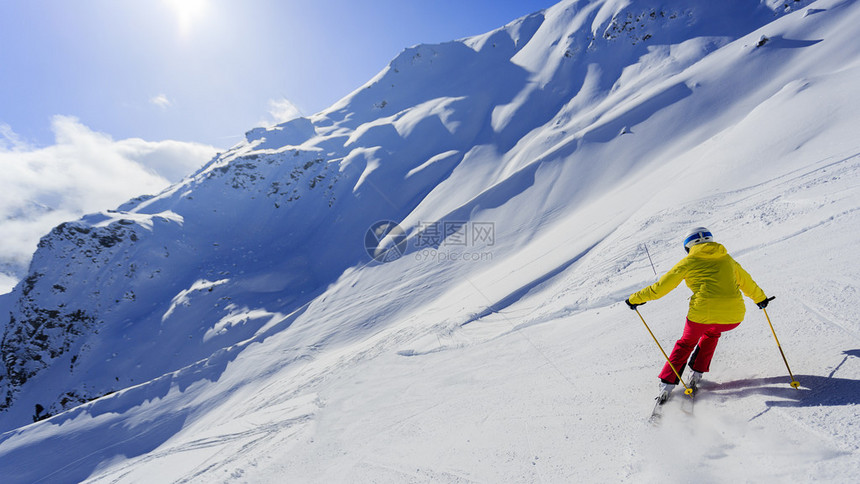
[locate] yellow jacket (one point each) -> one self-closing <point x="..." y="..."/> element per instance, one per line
<point x="714" y="277"/>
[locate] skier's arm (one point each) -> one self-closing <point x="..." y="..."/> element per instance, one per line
<point x="669" y="281"/>
<point x="748" y="285"/>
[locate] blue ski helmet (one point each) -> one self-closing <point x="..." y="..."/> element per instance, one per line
<point x="698" y="235"/>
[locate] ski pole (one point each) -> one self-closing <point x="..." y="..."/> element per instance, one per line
<point x="687" y="390"/>
<point x="794" y="383"/>
<point x="649" y="259"/>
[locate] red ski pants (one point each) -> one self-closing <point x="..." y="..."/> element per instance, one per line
<point x="700" y="340"/>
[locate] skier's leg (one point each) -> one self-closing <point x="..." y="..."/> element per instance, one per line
<point x="683" y="347"/>
<point x="701" y="359"/>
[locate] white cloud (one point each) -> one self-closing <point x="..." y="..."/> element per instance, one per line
<point x="282" y="110"/>
<point x="83" y="171"/>
<point x="9" y="140"/>
<point x="7" y="283"/>
<point x="161" y="101"/>
<point x="172" y="160"/>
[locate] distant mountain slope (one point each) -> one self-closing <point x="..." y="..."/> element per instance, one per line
<point x="525" y="167"/>
<point x="441" y="132"/>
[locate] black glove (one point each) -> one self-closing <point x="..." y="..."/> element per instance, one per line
<point x="763" y="304"/>
<point x="632" y="306"/>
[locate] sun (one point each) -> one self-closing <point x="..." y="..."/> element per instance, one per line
<point x="187" y="12"/>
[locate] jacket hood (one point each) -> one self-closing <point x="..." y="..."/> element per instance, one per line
<point x="708" y="250"/>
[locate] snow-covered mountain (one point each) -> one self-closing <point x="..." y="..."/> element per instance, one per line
<point x="422" y="282"/>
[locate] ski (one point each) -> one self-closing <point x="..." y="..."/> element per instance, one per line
<point x="657" y="412"/>
<point x="687" y="404"/>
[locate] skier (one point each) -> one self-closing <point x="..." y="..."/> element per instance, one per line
<point x="716" y="305"/>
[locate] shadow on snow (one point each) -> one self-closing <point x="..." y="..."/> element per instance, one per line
<point x="814" y="391"/>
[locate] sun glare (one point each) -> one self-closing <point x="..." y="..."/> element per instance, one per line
<point x="187" y="12"/>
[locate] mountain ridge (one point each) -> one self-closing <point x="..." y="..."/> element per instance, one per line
<point x="295" y="152"/>
<point x="251" y="284"/>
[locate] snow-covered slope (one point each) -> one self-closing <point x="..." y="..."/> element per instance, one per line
<point x="241" y="325"/>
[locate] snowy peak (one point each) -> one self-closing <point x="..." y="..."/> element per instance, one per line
<point x="388" y="248"/>
<point x="445" y="131"/>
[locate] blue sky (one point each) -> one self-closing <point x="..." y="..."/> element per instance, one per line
<point x="208" y="70"/>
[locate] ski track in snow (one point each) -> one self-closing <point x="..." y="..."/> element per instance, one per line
<point x="277" y="351"/>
